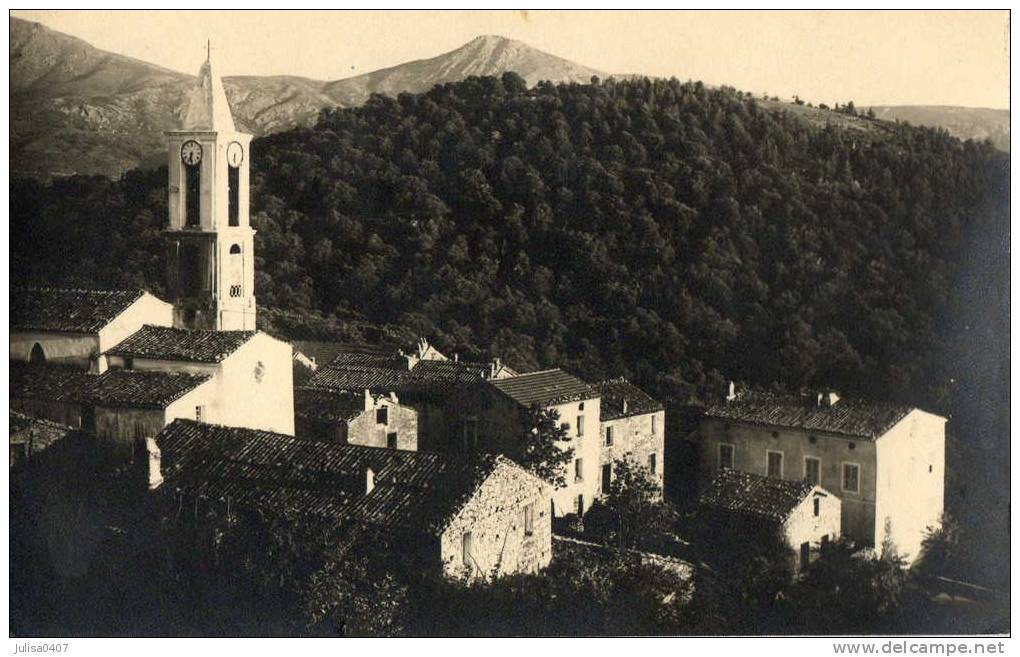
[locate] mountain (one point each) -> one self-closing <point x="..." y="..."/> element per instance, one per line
<point x="963" y="122"/>
<point x="78" y="109"/>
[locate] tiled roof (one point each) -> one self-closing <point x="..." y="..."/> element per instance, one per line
<point x="546" y="387"/>
<point x="615" y="391"/>
<point x="850" y="417"/>
<point x="328" y="405"/>
<point x="749" y="494"/>
<point x="386" y="371"/>
<point x="269" y="470"/>
<point x="36" y="432"/>
<point x="165" y="343"/>
<point x="73" y="311"/>
<point x="49" y="382"/>
<point x="112" y="388"/>
<point x="142" y="389"/>
<point x="325" y="353"/>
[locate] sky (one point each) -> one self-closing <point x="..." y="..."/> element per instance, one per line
<point x="870" y="57"/>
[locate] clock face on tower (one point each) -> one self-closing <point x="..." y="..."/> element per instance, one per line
<point x="235" y="154"/>
<point x="191" y="153"/>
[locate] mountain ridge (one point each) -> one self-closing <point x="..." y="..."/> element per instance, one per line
<point x="77" y="109"/>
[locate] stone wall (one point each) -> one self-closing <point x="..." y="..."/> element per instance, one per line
<point x="402" y="420"/>
<point x="495" y="519"/>
<point x="633" y="438"/>
<point x="803" y="526"/>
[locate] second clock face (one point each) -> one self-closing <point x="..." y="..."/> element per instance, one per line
<point x="235" y="154"/>
<point x="191" y="153"/>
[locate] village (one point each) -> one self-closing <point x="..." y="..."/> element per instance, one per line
<point x="412" y="441"/>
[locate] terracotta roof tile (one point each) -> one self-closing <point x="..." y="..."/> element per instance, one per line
<point x="72" y="311"/>
<point x="165" y="343"/>
<point x="546" y="387"/>
<point x="386" y="371"/>
<point x="615" y="391"/>
<point x="142" y="389"/>
<point x="264" y="469"/>
<point x="749" y="494"/>
<point x="851" y="417"/>
<point x="48" y="382"/>
<point x="328" y="405"/>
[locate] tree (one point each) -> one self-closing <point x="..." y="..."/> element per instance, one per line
<point x="543" y="449"/>
<point x="632" y="514"/>
<point x="940" y="549"/>
<point x="848" y="591"/>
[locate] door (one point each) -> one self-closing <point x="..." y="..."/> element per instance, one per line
<point x="607" y="478"/>
<point x="805" y="555"/>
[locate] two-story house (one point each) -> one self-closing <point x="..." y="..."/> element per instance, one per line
<point x="632" y="427"/>
<point x="496" y="416"/>
<point x="355" y="418"/>
<point x="886" y="462"/>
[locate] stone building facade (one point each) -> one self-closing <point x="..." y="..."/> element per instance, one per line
<point x="356" y="419"/>
<point x="886" y="462"/>
<point x="505" y="527"/>
<point x="803" y="515"/>
<point x="633" y="428"/>
<point x="466" y="518"/>
<point x="495" y="416"/>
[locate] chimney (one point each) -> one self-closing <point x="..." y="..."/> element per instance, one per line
<point x="155" y="469"/>
<point x="369" y="480"/>
<point x="369" y="403"/>
<point x="456" y="358"/>
<point x="393" y="397"/>
<point x="732" y="392"/>
<point x="625" y="405"/>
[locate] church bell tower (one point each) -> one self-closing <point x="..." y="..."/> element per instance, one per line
<point x="210" y="257"/>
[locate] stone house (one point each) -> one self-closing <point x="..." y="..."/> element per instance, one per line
<point x="804" y="515"/>
<point x="75" y="327"/>
<point x="356" y="419"/>
<point x="632" y="427"/>
<point x="29" y="436"/>
<point x="424" y="380"/>
<point x="251" y="376"/>
<point x="121" y="406"/>
<point x="495" y="416"/>
<point x="467" y="518"/>
<point x="886" y="462"/>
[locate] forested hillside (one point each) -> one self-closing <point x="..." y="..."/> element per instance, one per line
<point x="664" y="231"/>
<point x="659" y="230"/>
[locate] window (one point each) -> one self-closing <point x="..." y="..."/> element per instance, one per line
<point x="235" y="271"/>
<point x="851" y="478"/>
<point x="38" y="356"/>
<point x="192" y="193"/>
<point x="467" y="544"/>
<point x="580" y="505"/>
<point x="199" y="412"/>
<point x="818" y="506"/>
<point x="580" y="426"/>
<point x="607" y="477"/>
<point x="233" y="187"/>
<point x="812" y="470"/>
<point x="655" y="425"/>
<point x="774" y="464"/>
<point x="579" y="470"/>
<point x="129" y="363"/>
<point x="725" y="456"/>
<point x="653" y="462"/>
<point x="609" y="436"/>
<point x="805" y="555"/>
<point x="382" y="415"/>
<point x="391" y="440"/>
<point x="529" y="519"/>
<point x="580" y="406"/>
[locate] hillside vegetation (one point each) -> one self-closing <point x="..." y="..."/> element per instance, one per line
<point x="658" y="230"/>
